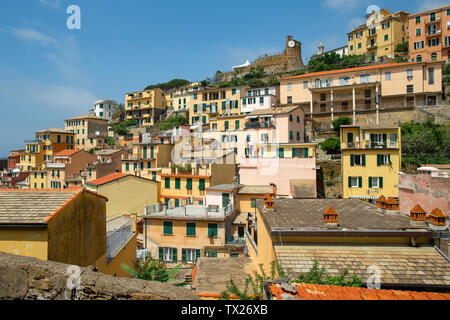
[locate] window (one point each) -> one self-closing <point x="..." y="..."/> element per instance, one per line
<point x="168" y="254"/>
<point x="383" y="160"/>
<point x="167" y="183"/>
<point x="387" y="75"/>
<point x="226" y="125"/>
<point x="433" y="42"/>
<point x="350" y="37"/>
<point x="376" y="182"/>
<point x="167" y="228"/>
<point x="355" y="182"/>
<point x="289" y="86"/>
<point x="392" y="140"/>
<point x="212" y="230"/>
<point x="281" y="153"/>
<point x="236" y="125"/>
<point x="305" y="84"/>
<point x="386" y="25"/>
<point x="359" y="45"/>
<point x="433" y="16"/>
<point x="201" y="184"/>
<point x="418" y="31"/>
<point x="447" y="41"/>
<point x="378" y="140"/>
<point x="368" y="93"/>
<point x="418" y="20"/>
<point x="127" y="167"/>
<point x="253" y="203"/>
<point x="358" y="160"/>
<point x="419" y="58"/>
<point x="386" y="37"/>
<point x="351" y="48"/>
<point x="410" y="89"/>
<point x="434" y="57"/>
<point x="298" y="136"/>
<point x="344" y="81"/>
<point x="291" y="135"/>
<point x="323" y="97"/>
<point x="190" y="255"/>
<point x="365" y="78"/>
<point x="289" y="100"/>
<point x="430" y="76"/>
<point x="177" y="183"/>
<point x="419" y="45"/>
<point x="298" y="119"/>
<point x="190" y="229"/>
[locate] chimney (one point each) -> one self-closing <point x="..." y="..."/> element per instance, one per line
<point x="381" y="202"/>
<point x="330" y="217"/>
<point x="268" y="201"/>
<point x="392" y="204"/>
<point x="438" y="220"/>
<point x="418" y="215"/>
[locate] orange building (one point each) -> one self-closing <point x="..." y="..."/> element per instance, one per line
<point x="429" y="35"/>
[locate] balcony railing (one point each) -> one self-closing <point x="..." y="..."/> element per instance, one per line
<point x="118" y="232"/>
<point x="236" y="240"/>
<point x="256" y="125"/>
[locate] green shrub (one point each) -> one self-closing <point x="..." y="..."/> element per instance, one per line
<point x="332" y="145"/>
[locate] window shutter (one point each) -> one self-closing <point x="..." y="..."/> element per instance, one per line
<point x="381" y="182"/>
<point x="197" y="253"/>
<point x="372" y="139"/>
<point x="350" y="137"/>
<point x="379" y="160"/>
<point x="370" y="182"/>
<point x="294" y="152"/>
<point x="385" y="138"/>
<point x="364" y="160"/>
<point x="352" y="160"/>
<point x="389" y="158"/>
<point x="360" y="182"/>
<point x="183" y="255"/>
<point x="349" y="182"/>
<point x="306" y="153"/>
<point x="161" y="253"/>
<point x="174" y="255"/>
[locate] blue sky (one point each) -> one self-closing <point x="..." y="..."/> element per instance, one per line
<point x="49" y="73"/>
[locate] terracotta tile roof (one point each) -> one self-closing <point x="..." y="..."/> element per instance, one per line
<point x="306" y="291"/>
<point x="109" y="178"/>
<point x="417" y="209"/>
<point x="86" y="117"/>
<point x="416" y="267"/>
<point x="55" y="130"/>
<point x="30" y="206"/>
<point x="437" y="213"/>
<point x="366" y="68"/>
<point x="67" y="153"/>
<point x="247" y="189"/>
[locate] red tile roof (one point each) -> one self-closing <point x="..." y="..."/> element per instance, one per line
<point x="111" y="177"/>
<point x="66" y="153"/>
<point x="437" y="213"/>
<point x="330" y="210"/>
<point x="417" y="209"/>
<point x="322" y="292"/>
<point x="373" y="67"/>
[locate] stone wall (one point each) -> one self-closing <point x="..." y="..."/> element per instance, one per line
<point x="27" y="278"/>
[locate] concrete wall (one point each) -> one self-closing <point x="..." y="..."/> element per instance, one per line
<point x="32" y="279"/>
<point x="25" y="242"/>
<point x="424" y="190"/>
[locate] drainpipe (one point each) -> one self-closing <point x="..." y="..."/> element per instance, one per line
<point x="377" y="102"/>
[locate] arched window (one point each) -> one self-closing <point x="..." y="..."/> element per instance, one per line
<point x="419" y="58"/>
<point x="434" y="57"/>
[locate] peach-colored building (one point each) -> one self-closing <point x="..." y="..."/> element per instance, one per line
<point x="65" y="165"/>
<point x="429" y="35"/>
<point x="364" y="89"/>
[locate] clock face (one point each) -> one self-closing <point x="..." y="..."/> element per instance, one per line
<point x="291" y="44"/>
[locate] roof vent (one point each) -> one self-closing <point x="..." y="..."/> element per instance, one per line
<point x="438" y="220"/>
<point x="392" y="204"/>
<point x="381" y="202"/>
<point x="418" y="215"/>
<point x="268" y="201"/>
<point x="330" y="216"/>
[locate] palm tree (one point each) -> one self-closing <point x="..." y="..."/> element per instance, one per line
<point x="118" y="114"/>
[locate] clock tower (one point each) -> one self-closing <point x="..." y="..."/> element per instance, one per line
<point x="293" y="54"/>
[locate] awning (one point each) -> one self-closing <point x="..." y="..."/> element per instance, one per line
<point x="251" y="117"/>
<point x="365" y="197"/>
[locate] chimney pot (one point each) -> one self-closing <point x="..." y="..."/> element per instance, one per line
<point x="330" y="216"/>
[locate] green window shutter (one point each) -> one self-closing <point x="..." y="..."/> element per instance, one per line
<point x="152" y="152"/>
<point x="291" y="135"/>
<point x="360" y="182"/>
<point x="370" y="182"/>
<point x="174" y="255"/>
<point x="281" y="153"/>
<point x="364" y="160"/>
<point x="389" y="158"/>
<point x="236" y="125"/>
<point x="381" y="182"/>
<point x="385" y="138"/>
<point x="226" y="125"/>
<point x="161" y="253"/>
<point x="212" y="230"/>
<point x="189" y="184"/>
<point x="253" y="203"/>
<point x="294" y="152"/>
<point x="201" y="184"/>
<point x="190" y="229"/>
<point x="183" y="255"/>
<point x="224" y="105"/>
<point x="197" y="253"/>
<point x="291" y="117"/>
<point x="195" y="107"/>
<point x="372" y="139"/>
<point x="306" y="153"/>
<point x="350" y="137"/>
<point x="352" y="160"/>
<point x="177" y="203"/>
<point x="378" y="160"/>
<point x="149" y="165"/>
<point x="168" y="228"/>
<point x="167" y="183"/>
<point x="349" y="182"/>
<point x="177" y="183"/>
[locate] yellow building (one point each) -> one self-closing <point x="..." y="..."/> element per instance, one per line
<point x="63" y="226"/>
<point x="41" y="150"/>
<point x="371" y="161"/>
<point x="147" y="159"/>
<point x="378" y="37"/>
<point x="146" y="107"/>
<point x="90" y="131"/>
<point x="208" y="103"/>
<point x="38" y="179"/>
<point x="120" y="188"/>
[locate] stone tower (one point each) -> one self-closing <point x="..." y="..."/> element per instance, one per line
<point x="293" y="54"/>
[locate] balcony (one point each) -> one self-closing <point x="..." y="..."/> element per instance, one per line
<point x="434" y="34"/>
<point x="190" y="212"/>
<point x="52" y="165"/>
<point x="430" y="21"/>
<point x="236" y="240"/>
<point x="372" y="46"/>
<point x="258" y="125"/>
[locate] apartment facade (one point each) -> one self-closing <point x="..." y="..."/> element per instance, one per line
<point x="208" y="103"/>
<point x="365" y="89"/>
<point x="43" y="147"/>
<point x="104" y="109"/>
<point x="371" y="161"/>
<point x="146" y="107"/>
<point x="429" y="35"/>
<point x="260" y="98"/>
<point x="90" y="131"/>
<point x="380" y="35"/>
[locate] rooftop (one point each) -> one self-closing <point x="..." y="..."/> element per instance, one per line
<point x="55" y="130"/>
<point x="306" y="215"/>
<point x="373" y="127"/>
<point x="255" y="189"/>
<point x="188" y="213"/>
<point x="108" y="178"/>
<point x="273" y="111"/>
<point x="27" y="206"/>
<point x="86" y="117"/>
<point x="106" y="152"/>
<point x="306" y="291"/>
<point x="357" y="69"/>
<point x="67" y="153"/>
<point x="399" y="265"/>
<point x="222" y="187"/>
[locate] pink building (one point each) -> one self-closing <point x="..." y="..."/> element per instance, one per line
<point x="427" y="189"/>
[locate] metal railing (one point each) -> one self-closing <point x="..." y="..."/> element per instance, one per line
<point x="118" y="232"/>
<point x="236" y="240"/>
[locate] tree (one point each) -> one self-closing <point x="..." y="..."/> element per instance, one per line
<point x="333" y="61"/>
<point x="118" y="113"/>
<point x="151" y="269"/>
<point x="171" y="122"/>
<point x="339" y="122"/>
<point x="331" y="146"/>
<point x="175" y="83"/>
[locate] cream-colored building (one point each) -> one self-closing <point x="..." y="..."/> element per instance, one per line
<point x="127" y="194"/>
<point x="146" y="107"/>
<point x="90" y="131"/>
<point x="379" y="36"/>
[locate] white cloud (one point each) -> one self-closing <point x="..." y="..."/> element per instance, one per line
<point x="77" y="100"/>
<point x="425" y="5"/>
<point x="53" y="4"/>
<point x="33" y="36"/>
